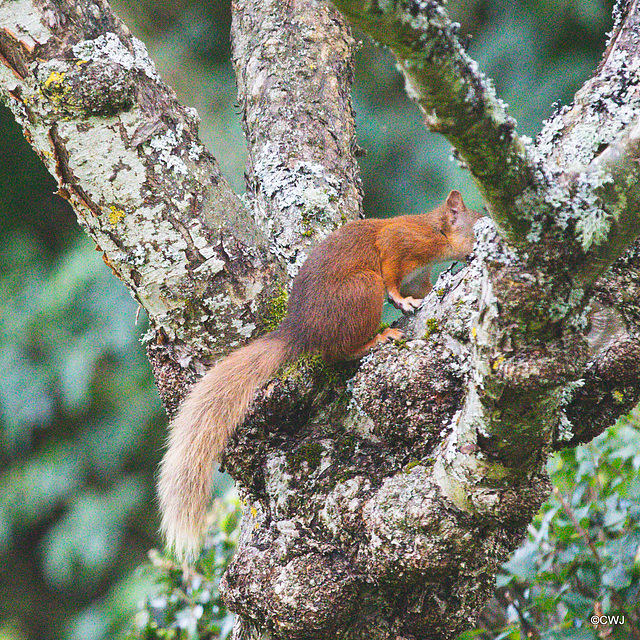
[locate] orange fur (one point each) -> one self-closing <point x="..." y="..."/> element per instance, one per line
<point x="335" y="308"/>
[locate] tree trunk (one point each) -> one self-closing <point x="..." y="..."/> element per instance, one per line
<point x="381" y="498"/>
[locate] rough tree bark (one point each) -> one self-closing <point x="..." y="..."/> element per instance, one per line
<point x="380" y="499"/>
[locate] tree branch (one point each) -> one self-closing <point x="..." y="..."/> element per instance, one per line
<point x="612" y="185"/>
<point x="431" y="474"/>
<point x="590" y="152"/>
<point x="457" y="100"/>
<point x="127" y="157"/>
<point x="607" y="103"/>
<point x="302" y="174"/>
<point x="610" y="387"/>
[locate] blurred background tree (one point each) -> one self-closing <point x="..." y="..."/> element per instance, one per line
<point x="81" y="424"/>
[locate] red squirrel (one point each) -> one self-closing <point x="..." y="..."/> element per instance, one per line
<point x="335" y="307"/>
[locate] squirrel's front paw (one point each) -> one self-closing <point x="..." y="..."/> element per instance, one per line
<point x="406" y="305"/>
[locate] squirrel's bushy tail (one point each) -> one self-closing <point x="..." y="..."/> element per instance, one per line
<point x="214" y="407"/>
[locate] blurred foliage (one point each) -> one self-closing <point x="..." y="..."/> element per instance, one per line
<point x="79" y="433"/>
<point x="581" y="557"/>
<point x="187" y="605"/>
<point x="81" y="425"/>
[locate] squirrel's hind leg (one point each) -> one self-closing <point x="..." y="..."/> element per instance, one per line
<point x="359" y="332"/>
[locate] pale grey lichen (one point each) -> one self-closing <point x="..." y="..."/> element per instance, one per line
<point x="166" y="145"/>
<point x="452" y="306"/>
<point x="602" y="109"/>
<point x="306" y="196"/>
<point x="488" y="248"/>
<point x="340" y="501"/>
<point x="195" y="151"/>
<point x="592" y="221"/>
<point x="566" y="393"/>
<point x="244" y="329"/>
<point x="94" y="154"/>
<point x="18" y="108"/>
<point x="109" y="47"/>
<point x="577" y="206"/>
<point x="551" y="131"/>
<point x="20" y="18"/>
<point x="618" y="15"/>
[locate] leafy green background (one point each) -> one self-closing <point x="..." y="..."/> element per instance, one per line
<point x="82" y="427"/>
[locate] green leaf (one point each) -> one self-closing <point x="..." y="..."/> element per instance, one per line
<point x="615" y="514"/>
<point x="469" y="635"/>
<point x="618" y="577"/>
<point x="574" y="633"/>
<point x="512" y="633"/>
<point x="579" y="605"/>
<point x="523" y="563"/>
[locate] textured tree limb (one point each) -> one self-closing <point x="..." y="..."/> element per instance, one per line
<point x="450" y="436"/>
<point x="127" y="157"/>
<point x="605" y="105"/>
<point x="610" y="387"/>
<point x="595" y="205"/>
<point x="590" y="151"/>
<point x="611" y="182"/>
<point x="302" y="174"/>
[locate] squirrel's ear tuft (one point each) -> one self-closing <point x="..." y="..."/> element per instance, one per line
<point x="455" y="201"/>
